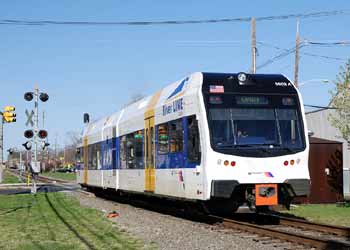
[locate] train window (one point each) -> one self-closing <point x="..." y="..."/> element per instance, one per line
<point x="130" y="151"/>
<point x="193" y="141"/>
<point x="289" y="127"/>
<point x="146" y="147"/>
<point x="152" y="146"/>
<point x="122" y="150"/>
<point x="176" y="136"/>
<point x="138" y="141"/>
<point x="98" y="157"/>
<point x="95" y="156"/>
<point x="90" y="156"/>
<point x="163" y="139"/>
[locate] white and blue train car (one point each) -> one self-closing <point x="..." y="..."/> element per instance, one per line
<point x="221" y="139"/>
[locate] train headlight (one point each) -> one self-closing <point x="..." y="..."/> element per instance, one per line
<point x="242" y="77"/>
<point x="226" y="163"/>
<point x="292" y="162"/>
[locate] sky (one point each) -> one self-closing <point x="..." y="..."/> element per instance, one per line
<point x="97" y="69"/>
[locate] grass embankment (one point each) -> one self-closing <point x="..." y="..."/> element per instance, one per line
<point x="56" y="221"/>
<point x="60" y="175"/>
<point x="328" y="214"/>
<point x="9" y="178"/>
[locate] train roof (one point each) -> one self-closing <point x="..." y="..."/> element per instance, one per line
<point x="131" y="117"/>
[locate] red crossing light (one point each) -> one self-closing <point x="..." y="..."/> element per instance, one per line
<point x="42" y="134"/>
<point x="28" y="134"/>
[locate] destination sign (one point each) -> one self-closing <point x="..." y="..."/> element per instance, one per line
<point x="252" y="100"/>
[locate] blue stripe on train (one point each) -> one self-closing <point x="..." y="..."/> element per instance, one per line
<point x="110" y="154"/>
<point x="110" y="150"/>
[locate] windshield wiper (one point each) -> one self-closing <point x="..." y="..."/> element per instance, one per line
<point x="227" y="145"/>
<point x="260" y="144"/>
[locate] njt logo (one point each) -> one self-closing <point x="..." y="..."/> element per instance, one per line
<point x="282" y="84"/>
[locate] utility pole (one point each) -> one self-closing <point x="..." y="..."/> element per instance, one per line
<point x="296" y="63"/>
<point x="36" y="123"/>
<point x="1" y="139"/>
<point x="55" y="166"/>
<point x="7" y="116"/>
<point x="1" y="145"/>
<point x="254" y="50"/>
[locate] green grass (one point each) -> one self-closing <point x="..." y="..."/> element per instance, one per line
<point x="55" y="221"/>
<point x="9" y="178"/>
<point x="328" y="214"/>
<point x="60" y="175"/>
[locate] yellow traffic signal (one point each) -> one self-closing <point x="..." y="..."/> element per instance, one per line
<point x="10" y="108"/>
<point x="9" y="116"/>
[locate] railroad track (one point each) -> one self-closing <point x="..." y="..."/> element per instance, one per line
<point x="300" y="233"/>
<point x="308" y="225"/>
<point x="312" y="235"/>
<point x="39" y="177"/>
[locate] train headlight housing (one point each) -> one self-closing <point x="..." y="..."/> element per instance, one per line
<point x="242" y="77"/>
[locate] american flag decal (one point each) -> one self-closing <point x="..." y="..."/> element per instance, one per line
<point x="216" y="89"/>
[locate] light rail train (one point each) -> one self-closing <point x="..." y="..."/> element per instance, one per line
<point x="222" y="140"/>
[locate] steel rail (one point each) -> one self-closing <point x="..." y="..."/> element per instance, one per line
<point x="325" y="228"/>
<point x="301" y="239"/>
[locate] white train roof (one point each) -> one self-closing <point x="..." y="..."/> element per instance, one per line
<point x="131" y="118"/>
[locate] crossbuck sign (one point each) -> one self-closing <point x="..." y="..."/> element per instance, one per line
<point x="30" y="118"/>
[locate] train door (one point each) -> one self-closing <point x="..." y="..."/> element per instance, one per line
<point x="86" y="162"/>
<point x="149" y="155"/>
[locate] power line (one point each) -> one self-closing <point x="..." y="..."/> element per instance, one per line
<point x="285" y="53"/>
<point x="304" y="53"/>
<point x="325" y="57"/>
<point x="330" y="43"/>
<point x="320" y="107"/>
<point x="174" y="22"/>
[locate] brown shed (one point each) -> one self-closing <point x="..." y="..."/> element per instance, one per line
<point x="326" y="171"/>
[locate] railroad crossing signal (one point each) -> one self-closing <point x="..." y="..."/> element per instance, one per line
<point x="9" y="108"/>
<point x="43" y="97"/>
<point x="29" y="118"/>
<point x="9" y="114"/>
<point x="27" y="145"/>
<point x="42" y="134"/>
<point x="44" y="145"/>
<point x="28" y="96"/>
<point x="28" y="134"/>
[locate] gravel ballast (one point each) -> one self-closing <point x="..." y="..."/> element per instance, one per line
<point x="161" y="231"/>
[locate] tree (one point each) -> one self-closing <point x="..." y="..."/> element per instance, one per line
<point x="74" y="138"/>
<point x="340" y="119"/>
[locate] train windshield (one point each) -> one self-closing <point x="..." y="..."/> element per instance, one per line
<point x="241" y="124"/>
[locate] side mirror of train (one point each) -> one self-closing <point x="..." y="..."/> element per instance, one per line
<point x="86" y="118"/>
<point x="310" y="133"/>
